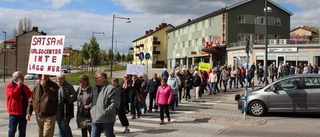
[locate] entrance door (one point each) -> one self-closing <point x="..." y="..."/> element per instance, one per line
<point x="280" y="59"/>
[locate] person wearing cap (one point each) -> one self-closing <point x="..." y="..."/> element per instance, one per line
<point x="84" y="101"/>
<point x="17" y="96"/>
<point x="44" y="102"/>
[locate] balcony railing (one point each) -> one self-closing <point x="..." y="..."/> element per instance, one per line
<point x="156" y="42"/>
<point x="131" y="48"/>
<point x="155" y="52"/>
<point x="278" y="42"/>
<point x="141" y="45"/>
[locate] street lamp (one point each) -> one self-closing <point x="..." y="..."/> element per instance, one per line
<point x="102" y="33"/>
<point x="117" y="51"/>
<point x="4" y="55"/>
<point x="266" y="10"/>
<point x="112" y="37"/>
<point x="70" y="50"/>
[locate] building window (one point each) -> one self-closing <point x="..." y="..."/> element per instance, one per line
<point x="183" y="44"/>
<point x="196" y="27"/>
<point x="260" y="20"/>
<point x="155" y="58"/>
<point x="178" y="46"/>
<point x="243" y="36"/>
<point x="196" y="42"/>
<point x="185" y="31"/>
<point x="241" y="18"/>
<point x="174" y="34"/>
<point x="211" y="22"/>
<point x="277" y="22"/>
<point x="203" y="24"/>
<point x="259" y="38"/>
<point x="155" y="49"/>
<point x="189" y="43"/>
<point x="190" y="29"/>
<point x="151" y="39"/>
<point x="155" y="38"/>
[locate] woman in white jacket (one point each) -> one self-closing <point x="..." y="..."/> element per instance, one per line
<point x="213" y="79"/>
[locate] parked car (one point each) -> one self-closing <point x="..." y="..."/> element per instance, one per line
<point x="31" y="76"/>
<point x="294" y="93"/>
<point x="63" y="70"/>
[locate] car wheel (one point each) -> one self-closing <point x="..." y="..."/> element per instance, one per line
<point x="257" y="108"/>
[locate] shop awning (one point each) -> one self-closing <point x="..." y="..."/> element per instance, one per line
<point x="213" y="51"/>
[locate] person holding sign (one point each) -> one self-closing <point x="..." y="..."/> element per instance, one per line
<point x="66" y="97"/>
<point x="44" y="101"/>
<point x="17" y="95"/>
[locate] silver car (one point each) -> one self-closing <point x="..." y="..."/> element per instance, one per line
<point x="294" y="93"/>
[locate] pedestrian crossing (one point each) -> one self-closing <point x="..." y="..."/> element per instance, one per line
<point x="147" y="122"/>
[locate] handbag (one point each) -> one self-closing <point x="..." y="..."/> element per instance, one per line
<point x="139" y="96"/>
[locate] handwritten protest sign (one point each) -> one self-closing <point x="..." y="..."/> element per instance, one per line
<point x="45" y="55"/>
<point x="135" y="69"/>
<point x="204" y="66"/>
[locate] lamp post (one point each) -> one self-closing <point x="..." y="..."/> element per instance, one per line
<point x="70" y="50"/>
<point x="117" y="51"/>
<point x="112" y="37"/>
<point x="4" y="56"/>
<point x="102" y="33"/>
<point x="266" y="10"/>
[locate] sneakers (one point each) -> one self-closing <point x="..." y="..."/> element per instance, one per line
<point x="126" y="130"/>
<point x="161" y="122"/>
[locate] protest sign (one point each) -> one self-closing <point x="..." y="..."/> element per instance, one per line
<point x="135" y="69"/>
<point x="45" y="54"/>
<point x="204" y="66"/>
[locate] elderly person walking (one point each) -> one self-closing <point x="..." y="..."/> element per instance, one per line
<point x="17" y="96"/>
<point x="196" y="84"/>
<point x="84" y="101"/>
<point x="65" y="113"/>
<point x="173" y="82"/>
<point x="163" y="99"/>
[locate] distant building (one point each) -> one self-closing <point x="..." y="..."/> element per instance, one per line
<point x="153" y="42"/>
<point x="17" y="52"/>
<point x="304" y="33"/>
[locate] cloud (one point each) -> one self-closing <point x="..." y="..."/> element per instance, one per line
<point x="57" y="4"/>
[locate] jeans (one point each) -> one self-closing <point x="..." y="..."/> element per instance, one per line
<point x="174" y="101"/>
<point x="98" y="128"/>
<point x="233" y="79"/>
<point x="134" y="105"/>
<point x="225" y="83"/>
<point x="64" y="128"/>
<point x="14" y="120"/>
<point x="213" y="86"/>
<point x="143" y="104"/>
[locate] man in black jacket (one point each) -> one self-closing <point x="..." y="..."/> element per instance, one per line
<point x="153" y="85"/>
<point x="66" y="97"/>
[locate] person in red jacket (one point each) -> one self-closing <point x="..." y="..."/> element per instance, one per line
<point x="163" y="99"/>
<point x="17" y="96"/>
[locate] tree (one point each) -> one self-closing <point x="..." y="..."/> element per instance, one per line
<point x="102" y="57"/>
<point x="110" y="55"/>
<point x="123" y="57"/>
<point x="129" y="57"/>
<point x="118" y="57"/>
<point x="25" y="24"/>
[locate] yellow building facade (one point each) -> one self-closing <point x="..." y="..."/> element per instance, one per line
<point x="153" y="42"/>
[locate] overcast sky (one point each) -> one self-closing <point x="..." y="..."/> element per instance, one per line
<point x="77" y="19"/>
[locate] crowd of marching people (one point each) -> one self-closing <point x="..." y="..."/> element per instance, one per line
<point x="98" y="106"/>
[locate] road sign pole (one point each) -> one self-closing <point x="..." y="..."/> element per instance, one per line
<point x="147" y="67"/>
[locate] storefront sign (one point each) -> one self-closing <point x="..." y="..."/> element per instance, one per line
<point x="282" y="49"/>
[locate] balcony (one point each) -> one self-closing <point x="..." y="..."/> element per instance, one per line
<point x="155" y="52"/>
<point x="137" y="46"/>
<point x="131" y="48"/>
<point x="141" y="45"/>
<point x="158" y="64"/>
<point x="137" y="54"/>
<point x="156" y="42"/>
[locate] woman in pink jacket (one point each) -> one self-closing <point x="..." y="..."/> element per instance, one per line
<point x="164" y="98"/>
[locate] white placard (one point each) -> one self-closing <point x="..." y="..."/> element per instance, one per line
<point x="45" y="54"/>
<point x="135" y="69"/>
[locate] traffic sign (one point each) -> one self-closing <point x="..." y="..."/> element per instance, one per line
<point x="147" y="56"/>
<point x="141" y="56"/>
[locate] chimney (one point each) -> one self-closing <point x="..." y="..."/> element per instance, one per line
<point x="164" y="25"/>
<point x="157" y="28"/>
<point x="35" y="29"/>
<point x="189" y="20"/>
<point x="150" y="31"/>
<point x="160" y="26"/>
<point x="147" y="32"/>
